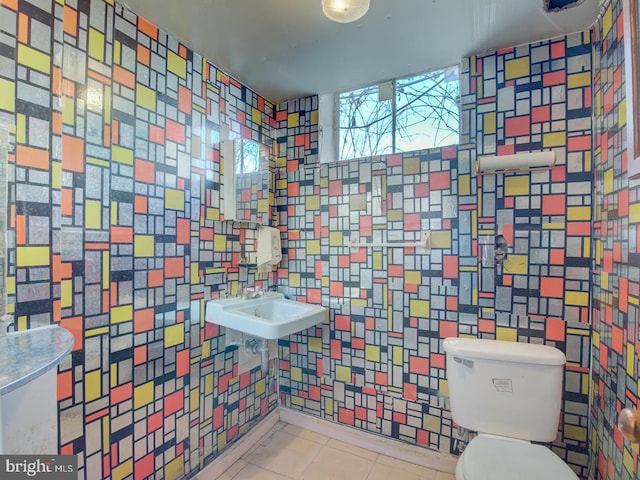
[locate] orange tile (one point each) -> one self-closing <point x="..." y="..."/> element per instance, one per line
<point x="174" y="267"/>
<point x="148" y="28"/>
<point x="517" y="126"/>
<point x="124" y="77"/>
<point x="145" y="171"/>
<point x="144" y="55"/>
<point x="552" y="287"/>
<point x="155" y="278"/>
<point x="65" y="385"/>
<point x="76" y="327"/>
<point x="72" y="154"/>
<point x="448" y="329"/>
<point x="23" y="28"/>
<point x="184" y="100"/>
<point x="183" y="231"/>
<point x="140" y="204"/>
<point x="419" y="365"/>
<point x="121" y="234"/>
<point x="450" y="266"/>
<point x="121" y="393"/>
<point x="70" y="22"/>
<point x="32" y="157"/>
<point x="140" y="355"/>
<point x="143" y="320"/>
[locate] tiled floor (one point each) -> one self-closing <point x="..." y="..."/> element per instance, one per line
<point x="292" y="453"/>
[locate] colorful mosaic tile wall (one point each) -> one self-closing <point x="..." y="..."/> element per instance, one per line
<point x="116" y="232"/>
<point x="616" y="265"/>
<point x="379" y="365"/>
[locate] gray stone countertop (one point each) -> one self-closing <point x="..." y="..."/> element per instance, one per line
<point x="28" y="354"/>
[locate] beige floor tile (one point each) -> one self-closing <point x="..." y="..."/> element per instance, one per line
<point x="332" y="464"/>
<point x="445" y="476"/>
<point x="385" y="472"/>
<point x="304" y="433"/>
<point x="253" y="472"/>
<point x="285" y="454"/>
<point x="347" y="447"/>
<point x="420" y="471"/>
<point x="231" y="472"/>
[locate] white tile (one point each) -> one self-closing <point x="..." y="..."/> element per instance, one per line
<point x="231" y="471"/>
<point x="284" y="454"/>
<point x="347" y="447"/>
<point x="332" y="464"/>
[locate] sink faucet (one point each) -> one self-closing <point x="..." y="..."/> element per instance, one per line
<point x="251" y="292"/>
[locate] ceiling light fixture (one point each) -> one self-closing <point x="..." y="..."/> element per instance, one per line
<point x="345" y="11"/>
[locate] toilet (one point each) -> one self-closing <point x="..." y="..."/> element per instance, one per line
<point x="510" y="394"/>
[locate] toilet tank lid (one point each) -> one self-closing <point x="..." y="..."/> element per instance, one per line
<point x="504" y="351"/>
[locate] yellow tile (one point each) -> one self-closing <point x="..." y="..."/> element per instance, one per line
<point x="419" y="308"/>
<point x="261" y="387"/>
<point x="176" y="64"/>
<point x="8" y="97"/>
<point x="372" y="353"/>
<point x="517" y="68"/>
<point x="506" y="334"/>
<point x="66" y="293"/>
<point x="195" y="273"/>
<point x="343" y="374"/>
<point x="489" y="123"/>
<point x="631" y="360"/>
<point x="68" y="111"/>
<point x="313" y="247"/>
<point x="296" y="374"/>
<point x="579" y="213"/>
<point x="608" y="181"/>
<point x="441" y="239"/>
<point x="208" y="384"/>
<point x="123" y="470"/>
<point x="220" y="243"/>
<point x="580" y="299"/>
<point x="464" y="185"/>
<point x="628" y="462"/>
<point x="314" y="117"/>
<point x="194" y="399"/>
<point x="96" y="44"/>
<point x="93" y="214"/>
<point x="577" y="80"/>
<point x="395" y="215"/>
<point x="32" y="58"/>
<point x="294" y="279"/>
<point x="414" y="278"/>
<point x="556" y="139"/>
<point x="315" y="344"/>
<point x="105" y="270"/>
<point x="122" y="155"/>
<point x="312" y="202"/>
<point x="32" y="256"/>
<point x="293" y="120"/>
<point x="174" y="199"/>
<point x="122" y="314"/>
<point x="516" y="186"/>
<point x="576" y="433"/>
<point x="173" y="335"/>
<point x="377" y="260"/>
<point x="607" y="21"/>
<point x="604" y="280"/>
<point x="634" y="213"/>
<point x="431" y="423"/>
<point x="113" y="373"/>
<point x="92" y="385"/>
<point x="335" y="239"/>
<point x="622" y="113"/>
<point x="106" y="107"/>
<point x="411" y="166"/>
<point x="175" y="468"/>
<point x="517" y="264"/>
<point x="106" y="434"/>
<point x="21" y="128"/>
<point x="222" y="437"/>
<point x="56" y="175"/>
<point x="586" y="248"/>
<point x="328" y="405"/>
<point x="263" y="205"/>
<point x="144" y="246"/>
<point x="145" y="97"/>
<point x="256" y="115"/>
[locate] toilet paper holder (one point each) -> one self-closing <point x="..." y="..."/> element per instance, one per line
<point x="629" y="424"/>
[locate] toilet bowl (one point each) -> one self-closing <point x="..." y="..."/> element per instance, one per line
<point x="511" y="394"/>
<point x="493" y="458"/>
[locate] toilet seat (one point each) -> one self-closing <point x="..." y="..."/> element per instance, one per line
<point x="496" y="458"/>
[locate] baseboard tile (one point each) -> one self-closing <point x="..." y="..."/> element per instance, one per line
<point x="442" y="462"/>
<point x="236" y="451"/>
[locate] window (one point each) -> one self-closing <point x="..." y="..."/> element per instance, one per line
<point x="400" y="116"/>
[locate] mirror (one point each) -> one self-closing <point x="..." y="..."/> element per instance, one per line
<point x="247" y="181"/>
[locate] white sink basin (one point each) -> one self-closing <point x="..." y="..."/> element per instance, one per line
<point x="270" y="316"/>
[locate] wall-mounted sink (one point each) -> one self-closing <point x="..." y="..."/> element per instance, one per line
<point x="270" y="316"/>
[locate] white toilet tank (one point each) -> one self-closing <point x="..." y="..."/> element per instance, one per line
<point x="505" y="388"/>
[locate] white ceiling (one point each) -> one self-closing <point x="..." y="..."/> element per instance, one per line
<point x="287" y="49"/>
